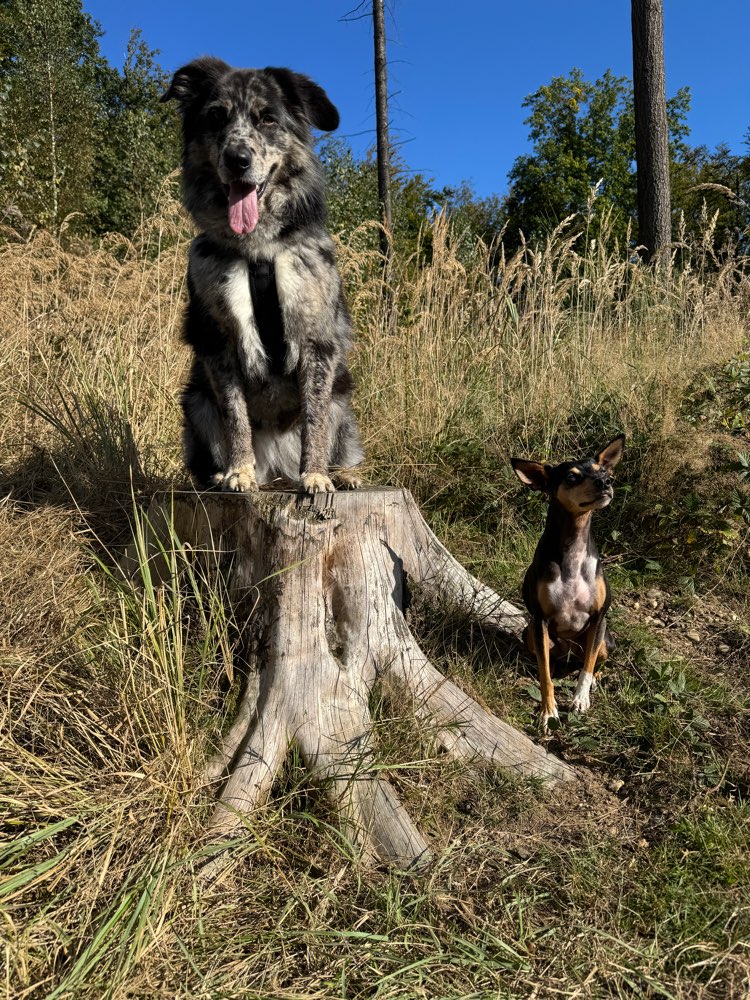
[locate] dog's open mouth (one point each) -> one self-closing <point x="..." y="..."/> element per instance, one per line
<point x="243" y="206"/>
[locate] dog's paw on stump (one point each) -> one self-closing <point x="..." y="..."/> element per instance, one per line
<point x="316" y="482"/>
<point x="347" y="479"/>
<point x="241" y="480"/>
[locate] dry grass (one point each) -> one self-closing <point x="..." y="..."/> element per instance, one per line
<point x="541" y="352"/>
<point x="111" y="694"/>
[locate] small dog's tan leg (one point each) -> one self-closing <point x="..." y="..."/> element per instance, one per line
<point x="539" y="633"/>
<point x="593" y="647"/>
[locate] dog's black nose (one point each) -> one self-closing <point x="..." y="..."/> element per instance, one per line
<point x="237" y="158"/>
<point x="603" y="484"/>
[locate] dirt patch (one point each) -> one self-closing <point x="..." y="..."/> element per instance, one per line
<point x="709" y="632"/>
<point x="574" y="815"/>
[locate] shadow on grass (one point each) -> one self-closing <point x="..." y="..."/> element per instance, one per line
<point x="93" y="467"/>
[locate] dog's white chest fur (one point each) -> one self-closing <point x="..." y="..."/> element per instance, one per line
<point x="572" y="592"/>
<point x="236" y="290"/>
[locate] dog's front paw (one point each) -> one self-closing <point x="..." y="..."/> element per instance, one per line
<point x="347" y="479"/>
<point x="549" y="721"/>
<point x="239" y="480"/>
<point x="316" y="482"/>
<point x="582" y="696"/>
<point x="581" y="703"/>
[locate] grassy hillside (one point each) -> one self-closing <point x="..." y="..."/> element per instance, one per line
<point x="635" y="884"/>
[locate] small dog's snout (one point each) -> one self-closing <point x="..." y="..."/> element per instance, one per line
<point x="237" y="158"/>
<point x="603" y="484"/>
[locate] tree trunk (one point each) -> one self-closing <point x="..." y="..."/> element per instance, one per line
<point x="328" y="575"/>
<point x="53" y="145"/>
<point x="383" y="139"/>
<point x="651" y="129"/>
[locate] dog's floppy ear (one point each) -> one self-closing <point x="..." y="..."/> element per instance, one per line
<point x="305" y="97"/>
<point x="192" y="81"/>
<point x="611" y="455"/>
<point x="533" y="474"/>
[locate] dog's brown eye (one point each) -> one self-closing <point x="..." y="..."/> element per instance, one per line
<point x="571" y="478"/>
<point x="217" y="115"/>
<point x="267" y="120"/>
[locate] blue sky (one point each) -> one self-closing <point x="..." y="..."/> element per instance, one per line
<point x="459" y="71"/>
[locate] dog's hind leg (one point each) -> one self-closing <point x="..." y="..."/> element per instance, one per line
<point x="608" y="645"/>
<point x="202" y="435"/>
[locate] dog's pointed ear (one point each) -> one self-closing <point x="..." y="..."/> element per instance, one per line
<point x="533" y="474"/>
<point x="305" y="97"/>
<point x="193" y="80"/>
<point x="612" y="453"/>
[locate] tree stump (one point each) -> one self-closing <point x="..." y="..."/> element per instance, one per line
<point x="328" y="573"/>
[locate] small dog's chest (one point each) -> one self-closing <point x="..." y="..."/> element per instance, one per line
<point x="571" y="594"/>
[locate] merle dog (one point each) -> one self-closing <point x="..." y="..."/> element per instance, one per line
<point x="268" y="394"/>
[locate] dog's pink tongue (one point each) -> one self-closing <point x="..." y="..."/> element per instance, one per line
<point x="243" y="208"/>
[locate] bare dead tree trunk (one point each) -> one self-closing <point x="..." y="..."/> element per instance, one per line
<point x="53" y="143"/>
<point x="651" y="129"/>
<point x="383" y="138"/>
<point x="329" y="572"/>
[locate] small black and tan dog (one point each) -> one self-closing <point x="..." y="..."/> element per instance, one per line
<point x="565" y="590"/>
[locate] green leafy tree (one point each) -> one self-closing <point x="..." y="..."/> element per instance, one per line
<point x="353" y="194"/>
<point x="352" y="186"/>
<point x="583" y="137"/>
<point x="140" y="141"/>
<point x="707" y="184"/>
<point x="473" y="218"/>
<point x="49" y="110"/>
